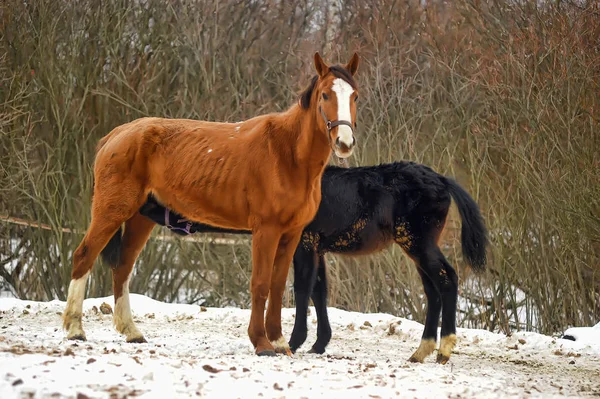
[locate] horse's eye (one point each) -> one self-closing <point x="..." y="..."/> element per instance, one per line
<point x="325" y="97"/>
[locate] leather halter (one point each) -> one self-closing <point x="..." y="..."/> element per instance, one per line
<point x="330" y="125"/>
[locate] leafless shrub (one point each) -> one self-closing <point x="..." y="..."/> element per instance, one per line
<point x="502" y="95"/>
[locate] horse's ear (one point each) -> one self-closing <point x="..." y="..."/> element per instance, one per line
<point x="352" y="65"/>
<point x="320" y="65"/>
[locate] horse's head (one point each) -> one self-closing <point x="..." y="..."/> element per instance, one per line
<point x="333" y="95"/>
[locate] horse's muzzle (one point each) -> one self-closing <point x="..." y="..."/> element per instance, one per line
<point x="345" y="141"/>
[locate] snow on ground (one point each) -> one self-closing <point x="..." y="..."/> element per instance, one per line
<point x="194" y="351"/>
<point x="585" y="335"/>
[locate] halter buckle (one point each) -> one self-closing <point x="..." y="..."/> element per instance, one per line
<point x="328" y="125"/>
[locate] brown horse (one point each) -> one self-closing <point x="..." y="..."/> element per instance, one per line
<point x="262" y="175"/>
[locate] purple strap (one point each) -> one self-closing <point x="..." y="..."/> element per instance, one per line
<point x="188" y="225"/>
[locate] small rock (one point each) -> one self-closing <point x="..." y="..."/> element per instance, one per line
<point x="522" y="341"/>
<point x="367" y="324"/>
<point x="203" y="309"/>
<point x="28" y="306"/>
<point x="16" y="382"/>
<point x="105" y="308"/>
<point x="90" y="360"/>
<point x="95" y="309"/>
<point x="392" y="328"/>
<point x="69" y="352"/>
<point x="25" y="311"/>
<point x="245" y="369"/>
<point x="82" y="396"/>
<point x="277" y="387"/>
<point x="210" y="369"/>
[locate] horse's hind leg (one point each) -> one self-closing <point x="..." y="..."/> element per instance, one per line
<point x="434" y="306"/>
<point x="96" y="238"/>
<point x="441" y="288"/>
<point x="110" y="209"/>
<point x="137" y="232"/>
<point x="448" y="283"/>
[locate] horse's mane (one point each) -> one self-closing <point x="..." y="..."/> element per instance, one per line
<point x="338" y="71"/>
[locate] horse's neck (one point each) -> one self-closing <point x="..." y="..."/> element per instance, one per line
<point x="311" y="147"/>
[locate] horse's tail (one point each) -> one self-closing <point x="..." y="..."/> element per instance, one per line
<point x="473" y="233"/>
<point x="111" y="254"/>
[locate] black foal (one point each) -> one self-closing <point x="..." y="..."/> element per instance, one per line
<point x="362" y="211"/>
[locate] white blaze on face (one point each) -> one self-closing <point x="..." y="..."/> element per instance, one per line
<point x="343" y="91"/>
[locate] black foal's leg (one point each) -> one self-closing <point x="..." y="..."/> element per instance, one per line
<point x="448" y="283"/>
<point x="434" y="307"/>
<point x="319" y="297"/>
<point x="305" y="272"/>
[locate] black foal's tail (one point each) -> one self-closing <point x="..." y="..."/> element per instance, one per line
<point x="111" y="253"/>
<point x="473" y="234"/>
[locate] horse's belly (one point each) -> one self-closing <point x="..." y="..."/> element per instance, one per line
<point x="214" y="210"/>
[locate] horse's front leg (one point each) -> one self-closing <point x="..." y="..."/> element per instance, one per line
<point x="264" y="246"/>
<point x="285" y="253"/>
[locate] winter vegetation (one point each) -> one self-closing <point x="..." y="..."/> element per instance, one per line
<point x="502" y="95"/>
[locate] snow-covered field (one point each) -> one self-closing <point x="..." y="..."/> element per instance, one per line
<point x="194" y="351"/>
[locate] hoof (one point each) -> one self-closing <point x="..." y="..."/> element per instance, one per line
<point x="283" y="351"/>
<point x="317" y="351"/>
<point x="267" y="352"/>
<point x="426" y="348"/>
<point x="442" y="359"/>
<point x="137" y="340"/>
<point x="281" y="346"/>
<point x="77" y="337"/>
<point x="448" y="343"/>
<point x="293" y="348"/>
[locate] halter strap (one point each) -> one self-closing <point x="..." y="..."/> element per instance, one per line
<point x="330" y="125"/>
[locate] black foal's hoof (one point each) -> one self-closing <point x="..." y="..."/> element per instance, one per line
<point x="137" y="340"/>
<point x="293" y="348"/>
<point x="318" y="351"/>
<point x="267" y="352"/>
<point x="441" y="359"/>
